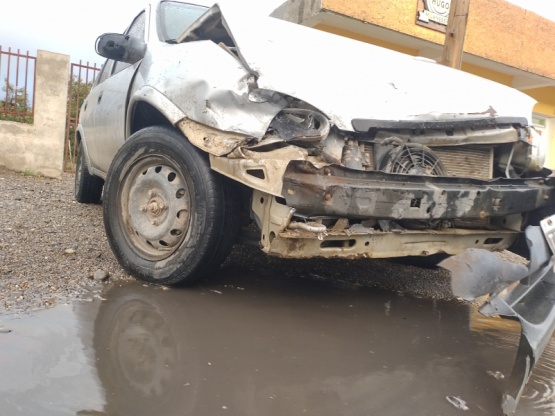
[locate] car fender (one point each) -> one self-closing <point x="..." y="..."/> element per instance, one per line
<point x="209" y="139"/>
<point x="80" y="136"/>
<point x="209" y="86"/>
<point x="156" y="99"/>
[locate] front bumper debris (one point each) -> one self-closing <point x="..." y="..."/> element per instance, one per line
<point x="530" y="301"/>
<point x="347" y="193"/>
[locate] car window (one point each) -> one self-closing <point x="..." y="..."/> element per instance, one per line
<point x="137" y="30"/>
<point x="175" y="17"/>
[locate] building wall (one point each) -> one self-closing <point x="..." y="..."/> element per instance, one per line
<point x="546" y="109"/>
<point x="473" y="69"/>
<point x="40" y="147"/>
<point x="367" y="39"/>
<point x="497" y="30"/>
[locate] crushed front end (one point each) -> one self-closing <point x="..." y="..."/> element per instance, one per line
<point x="390" y="189"/>
<point x="341" y="162"/>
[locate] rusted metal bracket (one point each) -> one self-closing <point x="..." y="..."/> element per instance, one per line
<point x="348" y="193"/>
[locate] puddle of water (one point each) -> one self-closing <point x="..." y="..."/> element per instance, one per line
<point x="47" y="365"/>
<point x="260" y="345"/>
<point x="500" y="339"/>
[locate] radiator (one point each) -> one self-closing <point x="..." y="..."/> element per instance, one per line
<point x="462" y="161"/>
<point x="471" y="162"/>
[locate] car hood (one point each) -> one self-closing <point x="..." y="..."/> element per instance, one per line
<point x="347" y="79"/>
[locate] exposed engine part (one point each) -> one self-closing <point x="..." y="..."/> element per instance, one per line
<point x="352" y="157"/>
<point x="412" y="159"/>
<point x="333" y="147"/>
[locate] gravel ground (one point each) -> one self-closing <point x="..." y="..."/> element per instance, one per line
<point x="51" y="248"/>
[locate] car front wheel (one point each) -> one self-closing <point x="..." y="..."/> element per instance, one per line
<point x="168" y="217"/>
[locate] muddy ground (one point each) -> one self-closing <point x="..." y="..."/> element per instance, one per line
<point x="51" y="247"/>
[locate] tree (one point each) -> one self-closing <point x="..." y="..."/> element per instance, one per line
<point x="77" y="92"/>
<point x="15" y="104"/>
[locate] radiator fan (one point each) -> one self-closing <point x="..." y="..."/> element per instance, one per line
<point x="412" y="159"/>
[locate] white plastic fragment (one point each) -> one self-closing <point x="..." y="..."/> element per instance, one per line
<point x="457" y="402"/>
<point x="498" y="375"/>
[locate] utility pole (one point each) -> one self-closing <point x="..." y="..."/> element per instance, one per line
<point x="455" y="33"/>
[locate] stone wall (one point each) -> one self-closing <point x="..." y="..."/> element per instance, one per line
<point x="39" y="147"/>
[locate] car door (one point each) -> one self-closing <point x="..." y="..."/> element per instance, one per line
<point x="87" y="114"/>
<point x="111" y="100"/>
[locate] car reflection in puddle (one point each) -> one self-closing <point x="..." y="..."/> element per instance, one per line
<point x="256" y="345"/>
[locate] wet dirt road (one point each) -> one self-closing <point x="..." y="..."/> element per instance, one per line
<point x="252" y="343"/>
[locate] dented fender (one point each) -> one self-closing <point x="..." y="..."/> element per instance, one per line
<point x="216" y="95"/>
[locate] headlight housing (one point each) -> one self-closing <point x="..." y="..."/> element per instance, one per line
<point x="300" y="126"/>
<point x="537" y="153"/>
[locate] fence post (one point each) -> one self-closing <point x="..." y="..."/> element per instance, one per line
<point x="39" y="147"/>
<point x="81" y="79"/>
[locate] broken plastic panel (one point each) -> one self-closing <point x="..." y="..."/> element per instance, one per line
<point x="531" y="301"/>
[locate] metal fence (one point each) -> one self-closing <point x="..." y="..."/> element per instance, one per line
<point x="17" y="95"/>
<point x="81" y="80"/>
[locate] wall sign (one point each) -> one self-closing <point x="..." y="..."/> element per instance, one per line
<point x="433" y="14"/>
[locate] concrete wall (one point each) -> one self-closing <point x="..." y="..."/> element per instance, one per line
<point x="40" y="147"/>
<point x="497" y="30"/>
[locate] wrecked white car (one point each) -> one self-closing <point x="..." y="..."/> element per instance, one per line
<point x="202" y="123"/>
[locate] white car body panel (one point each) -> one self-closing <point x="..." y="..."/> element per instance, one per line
<point x="348" y="79"/>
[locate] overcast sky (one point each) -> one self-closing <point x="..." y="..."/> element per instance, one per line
<point x="72" y="26"/>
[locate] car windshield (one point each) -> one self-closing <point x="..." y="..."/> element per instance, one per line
<point x="175" y="17"/>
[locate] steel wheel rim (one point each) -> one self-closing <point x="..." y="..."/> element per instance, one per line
<point x="155" y="208"/>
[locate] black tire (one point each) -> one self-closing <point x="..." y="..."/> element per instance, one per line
<point x="88" y="188"/>
<point x="169" y="218"/>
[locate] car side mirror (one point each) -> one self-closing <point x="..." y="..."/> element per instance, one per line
<point x="123" y="48"/>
